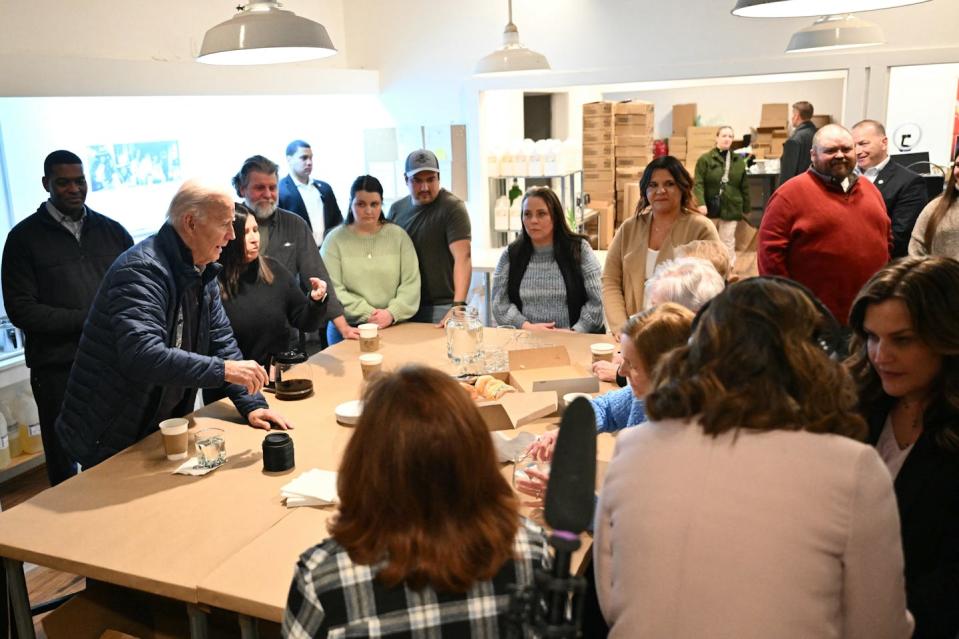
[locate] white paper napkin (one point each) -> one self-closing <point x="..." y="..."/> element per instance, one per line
<point x="511" y="448"/>
<point x="189" y="467"/>
<point x="314" y="487"/>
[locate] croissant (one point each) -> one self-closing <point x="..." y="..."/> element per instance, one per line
<point x="489" y="387"/>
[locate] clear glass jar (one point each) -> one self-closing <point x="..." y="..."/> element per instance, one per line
<point x="464" y="335"/>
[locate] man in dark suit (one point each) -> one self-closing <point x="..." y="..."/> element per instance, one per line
<point x="795" y="159"/>
<point x="313" y="200"/>
<point x="903" y="191"/>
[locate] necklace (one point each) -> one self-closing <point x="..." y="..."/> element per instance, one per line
<point x="913" y="422"/>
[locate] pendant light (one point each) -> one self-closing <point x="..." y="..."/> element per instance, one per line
<point x="262" y="33"/>
<point x="810" y="8"/>
<point x="512" y="57"/>
<point x="829" y="33"/>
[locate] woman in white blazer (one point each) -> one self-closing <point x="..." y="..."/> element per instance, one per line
<point x="746" y="508"/>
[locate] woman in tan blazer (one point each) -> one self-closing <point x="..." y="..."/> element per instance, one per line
<point x="664" y="220"/>
<point x="746" y="508"/>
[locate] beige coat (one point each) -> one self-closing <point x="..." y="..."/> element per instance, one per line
<point x="748" y="535"/>
<point x="624" y="276"/>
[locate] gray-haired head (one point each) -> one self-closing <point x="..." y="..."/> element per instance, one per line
<point x="256" y="163"/>
<point x="687" y="281"/>
<point x="197" y="198"/>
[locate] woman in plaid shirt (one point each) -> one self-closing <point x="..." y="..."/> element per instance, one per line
<point x="428" y="536"/>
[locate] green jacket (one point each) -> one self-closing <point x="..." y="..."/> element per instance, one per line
<point x="709" y="173"/>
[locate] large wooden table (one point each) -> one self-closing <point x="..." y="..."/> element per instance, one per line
<point x="224" y="539"/>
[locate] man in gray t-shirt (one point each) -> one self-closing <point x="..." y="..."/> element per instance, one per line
<point x="439" y="225"/>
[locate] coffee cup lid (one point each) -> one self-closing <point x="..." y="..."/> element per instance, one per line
<point x="602" y="347"/>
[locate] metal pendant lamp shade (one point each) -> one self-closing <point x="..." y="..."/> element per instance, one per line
<point x="512" y="57"/>
<point x="835" y="32"/>
<point x="810" y="8"/>
<point x="262" y="33"/>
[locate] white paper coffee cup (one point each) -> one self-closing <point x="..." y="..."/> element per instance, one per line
<point x="176" y="441"/>
<point x="371" y="363"/>
<point x="368" y="331"/>
<point x="602" y="351"/>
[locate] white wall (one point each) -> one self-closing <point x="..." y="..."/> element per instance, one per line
<point x="215" y="135"/>
<point x="927" y="96"/>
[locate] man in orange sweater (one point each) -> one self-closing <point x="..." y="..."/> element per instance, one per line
<point x="827" y="228"/>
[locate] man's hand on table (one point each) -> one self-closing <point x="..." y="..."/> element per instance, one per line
<point x="267" y="418"/>
<point x="381" y="317"/>
<point x="245" y="373"/>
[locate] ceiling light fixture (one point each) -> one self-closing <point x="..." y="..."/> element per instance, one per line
<point x="512" y="57"/>
<point x="262" y="33"/>
<point x="829" y="33"/>
<point x="810" y="8"/>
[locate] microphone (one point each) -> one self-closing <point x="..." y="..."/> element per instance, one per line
<point x="570" y="491"/>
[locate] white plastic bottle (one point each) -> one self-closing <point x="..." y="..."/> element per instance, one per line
<point x="13" y="431"/>
<point x="29" y="418"/>
<point x="4" y="443"/>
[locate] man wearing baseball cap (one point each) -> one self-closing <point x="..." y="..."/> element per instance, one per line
<point x="439" y="225"/>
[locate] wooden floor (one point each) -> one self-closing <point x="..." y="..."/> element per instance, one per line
<point x="43" y="584"/>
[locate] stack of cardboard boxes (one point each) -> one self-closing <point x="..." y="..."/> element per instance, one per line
<point x="598" y="166"/>
<point x="772" y="133"/>
<point x="684" y="116"/>
<point x="699" y="141"/>
<point x="633" y="128"/>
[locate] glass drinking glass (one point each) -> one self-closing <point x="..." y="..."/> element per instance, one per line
<point x="210" y="448"/>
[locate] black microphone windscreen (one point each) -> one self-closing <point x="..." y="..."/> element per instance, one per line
<point x="570" y="492"/>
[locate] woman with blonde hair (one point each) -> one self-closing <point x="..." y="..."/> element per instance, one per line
<point x="745" y="507"/>
<point x="428" y="537"/>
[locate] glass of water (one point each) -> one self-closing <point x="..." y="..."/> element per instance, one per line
<point x="210" y="448"/>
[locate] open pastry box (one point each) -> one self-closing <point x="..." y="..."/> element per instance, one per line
<point x="541" y="376"/>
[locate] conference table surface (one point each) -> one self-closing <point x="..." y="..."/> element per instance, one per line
<point x="224" y="539"/>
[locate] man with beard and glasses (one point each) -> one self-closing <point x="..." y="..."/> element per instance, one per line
<point x="828" y="227"/>
<point x="285" y="236"/>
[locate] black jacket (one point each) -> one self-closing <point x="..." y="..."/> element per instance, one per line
<point x="927" y="493"/>
<point x="795" y="159"/>
<point x="129" y="362"/>
<point x="905" y="195"/>
<point x="50" y="279"/>
<point x="291" y="200"/>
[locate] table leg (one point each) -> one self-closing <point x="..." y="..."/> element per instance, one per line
<point x="19" y="599"/>
<point x="248" y="627"/>
<point x="199" y="623"/>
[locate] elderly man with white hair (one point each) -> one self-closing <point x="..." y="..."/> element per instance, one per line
<point x="687" y="281"/>
<point x="157" y="332"/>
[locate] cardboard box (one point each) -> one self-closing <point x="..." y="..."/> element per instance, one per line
<point x="598" y="136"/>
<point x="698" y="134"/>
<point x="622" y="130"/>
<point x="598" y="176"/>
<point x="516" y="409"/>
<point x="633" y="163"/>
<point x="607" y="225"/>
<point x="634" y="152"/>
<point x="633" y="140"/>
<point x="592" y="109"/>
<point x="103" y="608"/>
<point x="774" y="114"/>
<point x="597" y="162"/>
<point x="821" y="120"/>
<point x="596" y="124"/>
<point x="676" y="142"/>
<point x="684" y="116"/>
<point x="633" y="107"/>
<point x="630" y="199"/>
<point x="598" y="149"/>
<point x="633" y="120"/>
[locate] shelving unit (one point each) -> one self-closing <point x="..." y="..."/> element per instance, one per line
<point x="569" y="187"/>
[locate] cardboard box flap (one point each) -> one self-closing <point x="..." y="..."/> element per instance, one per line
<point x="516" y="409"/>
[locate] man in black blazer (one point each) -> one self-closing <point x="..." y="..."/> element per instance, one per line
<point x="303" y="196"/>
<point x="903" y="190"/>
<point x="796" y="159"/>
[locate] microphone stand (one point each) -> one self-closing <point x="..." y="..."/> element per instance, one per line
<point x="553" y="606"/>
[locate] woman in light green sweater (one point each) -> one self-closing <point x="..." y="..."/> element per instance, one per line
<point x="372" y="263"/>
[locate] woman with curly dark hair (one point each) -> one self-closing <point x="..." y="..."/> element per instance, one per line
<point x="906" y="363"/>
<point x="745" y="507"/>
